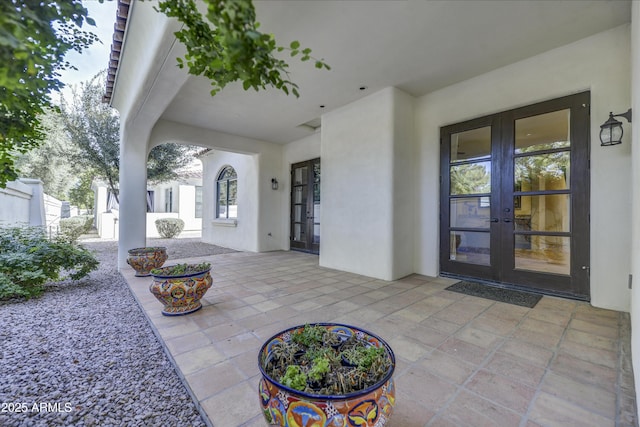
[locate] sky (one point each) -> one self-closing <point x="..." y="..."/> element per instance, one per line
<point x="96" y="58"/>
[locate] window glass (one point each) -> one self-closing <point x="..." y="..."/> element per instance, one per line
<point x="227" y="193"/>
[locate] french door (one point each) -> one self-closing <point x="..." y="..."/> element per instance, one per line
<point x="305" y="206"/>
<point x="515" y="197"/>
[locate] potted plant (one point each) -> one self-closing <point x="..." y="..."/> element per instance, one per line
<point x="143" y="260"/>
<point x="333" y="374"/>
<point x="180" y="287"/>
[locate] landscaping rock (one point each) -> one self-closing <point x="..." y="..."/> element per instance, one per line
<point x="78" y="357"/>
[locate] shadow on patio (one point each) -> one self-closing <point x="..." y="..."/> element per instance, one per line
<point x="461" y="360"/>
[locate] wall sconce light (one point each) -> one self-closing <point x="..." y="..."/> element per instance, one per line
<point x="611" y="130"/>
<point x="274" y="184"/>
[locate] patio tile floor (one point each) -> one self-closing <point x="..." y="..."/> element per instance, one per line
<point x="461" y="360"/>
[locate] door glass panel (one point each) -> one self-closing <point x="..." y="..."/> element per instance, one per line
<point x="298" y="233"/>
<point x="470" y="212"/>
<point x="300" y="176"/>
<point x="543" y="132"/>
<point x="471" y="144"/>
<point x="316" y="233"/>
<point x="542" y="172"/>
<point x="297" y="213"/>
<point x="549" y="212"/>
<point x="471" y="178"/>
<point x="470" y="247"/>
<point x="547" y="254"/>
<point x="298" y="193"/>
<point x="316" y="182"/>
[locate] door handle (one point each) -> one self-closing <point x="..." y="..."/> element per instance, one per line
<point x="494" y="220"/>
<point x="506" y="219"/>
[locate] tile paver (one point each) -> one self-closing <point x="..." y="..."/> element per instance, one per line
<point x="461" y="360"/>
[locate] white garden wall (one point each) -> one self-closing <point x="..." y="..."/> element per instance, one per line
<point x="15" y="202"/>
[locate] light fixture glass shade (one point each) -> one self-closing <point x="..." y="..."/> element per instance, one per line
<point x="611" y="132"/>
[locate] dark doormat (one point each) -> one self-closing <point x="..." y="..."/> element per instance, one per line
<point x="524" y="299"/>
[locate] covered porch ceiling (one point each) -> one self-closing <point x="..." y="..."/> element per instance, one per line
<point x="418" y="47"/>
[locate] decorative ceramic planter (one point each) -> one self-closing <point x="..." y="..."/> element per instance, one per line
<point x="143" y="260"/>
<point x="180" y="294"/>
<point x="284" y="406"/>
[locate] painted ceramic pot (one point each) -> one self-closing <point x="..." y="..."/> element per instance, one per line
<point x="284" y="406"/>
<point x="180" y="294"/>
<point x="143" y="260"/>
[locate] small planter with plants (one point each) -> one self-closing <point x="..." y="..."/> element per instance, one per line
<point x="335" y="374"/>
<point x="180" y="287"/>
<point x="143" y="260"/>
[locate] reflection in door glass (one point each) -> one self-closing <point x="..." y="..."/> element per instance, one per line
<point x="300" y="176"/>
<point x="470" y="178"/>
<point x="542" y="172"/>
<point x="298" y="194"/>
<point x="547" y="254"/>
<point x="298" y="233"/>
<point x="470" y="247"/>
<point x="471" y="144"/>
<point x="550" y="212"/>
<point x="543" y="132"/>
<point x="470" y="212"/>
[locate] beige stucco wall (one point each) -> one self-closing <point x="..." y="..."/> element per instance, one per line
<point x="239" y="233"/>
<point x="635" y="186"/>
<point x="600" y="64"/>
<point x="367" y="204"/>
<point x="258" y="162"/>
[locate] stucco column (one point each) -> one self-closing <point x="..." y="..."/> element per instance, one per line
<point x="133" y="191"/>
<point x="635" y="191"/>
<point x="366" y="187"/>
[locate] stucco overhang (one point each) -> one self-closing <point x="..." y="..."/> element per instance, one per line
<point x="418" y="47"/>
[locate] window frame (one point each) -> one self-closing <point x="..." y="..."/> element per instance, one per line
<point x="226" y="181"/>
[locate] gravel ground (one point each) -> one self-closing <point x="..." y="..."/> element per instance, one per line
<point x="77" y="356"/>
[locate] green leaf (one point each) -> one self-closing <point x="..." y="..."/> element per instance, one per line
<point x="226" y="46"/>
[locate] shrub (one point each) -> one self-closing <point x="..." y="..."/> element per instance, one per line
<point x="28" y="260"/>
<point x="169" y="228"/>
<point x="72" y="228"/>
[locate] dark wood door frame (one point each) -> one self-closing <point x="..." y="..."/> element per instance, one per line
<point x="305" y="195"/>
<point x="503" y="232"/>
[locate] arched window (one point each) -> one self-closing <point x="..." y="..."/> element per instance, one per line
<point x="227" y="194"/>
